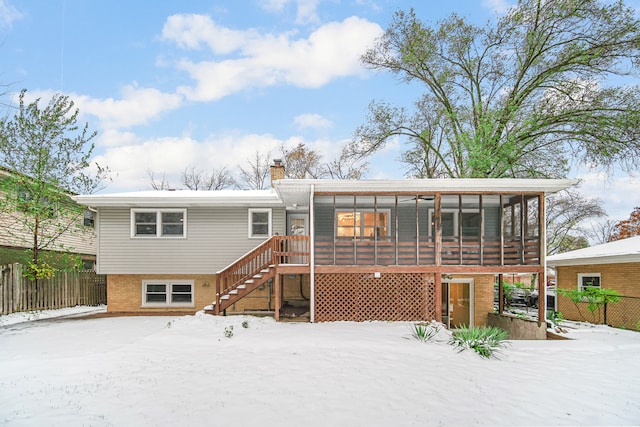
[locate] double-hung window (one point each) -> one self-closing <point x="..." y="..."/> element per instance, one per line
<point x="161" y="293"/>
<point x="159" y="223"/>
<point x="588" y="280"/>
<point x="89" y="218"/>
<point x="259" y="223"/>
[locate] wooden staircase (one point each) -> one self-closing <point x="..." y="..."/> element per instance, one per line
<point x="230" y="296"/>
<point x="254" y="269"/>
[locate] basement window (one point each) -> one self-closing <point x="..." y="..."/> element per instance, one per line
<point x="172" y="293"/>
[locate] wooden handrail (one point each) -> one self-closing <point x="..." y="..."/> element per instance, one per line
<point x="273" y="251"/>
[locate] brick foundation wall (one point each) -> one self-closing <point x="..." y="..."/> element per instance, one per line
<point x="124" y="292"/>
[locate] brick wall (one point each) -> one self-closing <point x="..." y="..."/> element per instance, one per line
<point x="124" y="292"/>
<point x="624" y="278"/>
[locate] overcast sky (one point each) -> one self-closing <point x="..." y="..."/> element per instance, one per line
<point x="170" y="84"/>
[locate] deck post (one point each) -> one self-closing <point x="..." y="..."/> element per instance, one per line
<point x="438" y="285"/>
<point x="216" y="308"/>
<point x="542" y="297"/>
<point x="276" y="286"/>
<point x="500" y="295"/>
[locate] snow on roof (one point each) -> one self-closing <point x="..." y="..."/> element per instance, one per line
<point x="619" y="251"/>
<point x="182" y="198"/>
<point x="297" y="191"/>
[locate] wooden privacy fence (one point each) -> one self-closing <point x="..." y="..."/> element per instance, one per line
<point x="65" y="289"/>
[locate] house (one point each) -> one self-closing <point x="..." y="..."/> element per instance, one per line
<point x="614" y="265"/>
<point x="339" y="250"/>
<point x="67" y="230"/>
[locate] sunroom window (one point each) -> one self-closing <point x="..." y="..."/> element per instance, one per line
<point x="362" y="224"/>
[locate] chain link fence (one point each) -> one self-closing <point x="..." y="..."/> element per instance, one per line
<point x="623" y="314"/>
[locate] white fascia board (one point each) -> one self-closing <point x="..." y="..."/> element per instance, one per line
<point x="422" y="185"/>
<point x="262" y="198"/>
<point x="291" y="188"/>
<point x="614" y="259"/>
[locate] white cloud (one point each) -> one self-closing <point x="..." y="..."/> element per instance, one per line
<point x="8" y="14"/>
<point x="315" y="121"/>
<point x="129" y="158"/>
<point x="190" y="31"/>
<point x="499" y="6"/>
<point x="330" y="52"/>
<point x="619" y="193"/>
<point x="306" y="10"/>
<point x="137" y="105"/>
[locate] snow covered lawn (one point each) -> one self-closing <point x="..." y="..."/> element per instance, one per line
<point x="170" y="371"/>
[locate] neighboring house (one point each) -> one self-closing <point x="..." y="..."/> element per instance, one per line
<point x="77" y="235"/>
<point x="343" y="250"/>
<point x="614" y="265"/>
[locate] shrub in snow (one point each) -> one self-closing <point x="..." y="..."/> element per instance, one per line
<point x="425" y="332"/>
<point x="483" y="340"/>
<point x="245" y="324"/>
<point x="228" y="331"/>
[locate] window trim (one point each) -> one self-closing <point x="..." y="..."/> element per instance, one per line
<point x="583" y="275"/>
<point x="169" y="283"/>
<point x="361" y="236"/>
<point x="250" y="213"/>
<point x="158" y="213"/>
<point x="91" y="218"/>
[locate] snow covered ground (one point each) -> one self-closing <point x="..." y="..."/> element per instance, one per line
<point x="183" y="371"/>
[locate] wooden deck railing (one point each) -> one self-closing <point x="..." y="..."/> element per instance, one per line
<point x="454" y="251"/>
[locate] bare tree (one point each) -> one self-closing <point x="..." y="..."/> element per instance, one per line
<point x="348" y="165"/>
<point x="158" y="180"/>
<point x="566" y="213"/>
<point x="302" y="162"/>
<point x="602" y="231"/>
<point x="213" y="179"/>
<point x="254" y="175"/>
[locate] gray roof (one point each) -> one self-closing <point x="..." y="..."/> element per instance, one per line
<point x="619" y="251"/>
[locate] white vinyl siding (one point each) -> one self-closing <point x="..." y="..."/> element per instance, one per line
<point x="215" y="238"/>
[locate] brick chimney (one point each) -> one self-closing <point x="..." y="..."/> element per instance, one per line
<point x="277" y="170"/>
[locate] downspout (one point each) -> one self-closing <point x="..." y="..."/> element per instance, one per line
<point x="312" y="252"/>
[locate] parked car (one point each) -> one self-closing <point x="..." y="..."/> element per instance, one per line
<point x="550" y="293"/>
